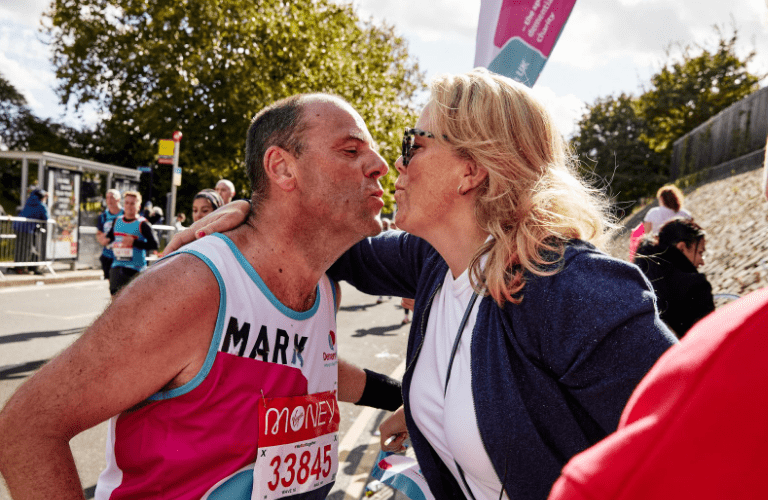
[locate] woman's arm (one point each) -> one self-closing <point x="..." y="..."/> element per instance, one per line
<point x="599" y="332"/>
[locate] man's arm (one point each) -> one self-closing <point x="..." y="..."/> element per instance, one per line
<point x="367" y="388"/>
<point x="149" y="235"/>
<point x="155" y="335"/>
<point x="101" y="237"/>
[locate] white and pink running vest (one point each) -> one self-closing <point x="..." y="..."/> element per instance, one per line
<point x="200" y="440"/>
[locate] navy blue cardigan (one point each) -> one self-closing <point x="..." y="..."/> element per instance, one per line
<point x="550" y="376"/>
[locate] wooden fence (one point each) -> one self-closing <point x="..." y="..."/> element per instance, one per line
<point x="736" y="131"/>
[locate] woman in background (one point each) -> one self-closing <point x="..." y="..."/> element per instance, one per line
<point x="670" y="206"/>
<point x="205" y="202"/>
<point x="684" y="295"/>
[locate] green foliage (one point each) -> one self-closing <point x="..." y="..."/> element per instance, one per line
<point x="205" y="68"/>
<point x="690" y="89"/>
<point x="630" y="139"/>
<point x="21" y="130"/>
<point x="609" y="139"/>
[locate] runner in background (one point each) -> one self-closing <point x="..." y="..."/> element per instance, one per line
<point x="103" y="226"/>
<point x="131" y="237"/>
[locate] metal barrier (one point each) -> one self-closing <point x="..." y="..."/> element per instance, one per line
<point x="28" y="243"/>
<point x="23" y="243"/>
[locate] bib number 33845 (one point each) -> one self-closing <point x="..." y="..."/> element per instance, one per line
<point x="298" y="445"/>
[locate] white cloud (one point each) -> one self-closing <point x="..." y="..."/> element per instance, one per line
<point x="565" y="110"/>
<point x="443" y="20"/>
<point x="23" y="12"/>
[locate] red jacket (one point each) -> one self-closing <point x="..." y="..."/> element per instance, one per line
<point x="697" y="424"/>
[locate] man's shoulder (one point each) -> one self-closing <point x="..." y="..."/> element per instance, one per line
<point x="182" y="274"/>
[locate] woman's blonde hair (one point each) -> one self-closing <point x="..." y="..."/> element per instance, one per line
<point x="533" y="200"/>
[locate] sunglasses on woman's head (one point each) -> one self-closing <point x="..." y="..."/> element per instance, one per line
<point x="409" y="139"/>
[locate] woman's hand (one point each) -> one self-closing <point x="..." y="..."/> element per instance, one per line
<point x="394" y="432"/>
<point x="224" y="218"/>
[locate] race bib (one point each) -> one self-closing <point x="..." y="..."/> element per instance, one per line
<point x="121" y="252"/>
<point x="298" y="445"/>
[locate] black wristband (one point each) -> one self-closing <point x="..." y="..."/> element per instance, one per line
<point x="381" y="392"/>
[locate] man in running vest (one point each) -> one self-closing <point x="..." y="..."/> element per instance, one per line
<point x="103" y="225"/>
<point x="130" y="237"/>
<point x="217" y="367"/>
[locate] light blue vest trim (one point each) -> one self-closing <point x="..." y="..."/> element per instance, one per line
<point x="263" y="287"/>
<point x="213" y="348"/>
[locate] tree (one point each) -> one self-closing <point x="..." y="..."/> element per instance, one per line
<point x="205" y="68"/>
<point x="608" y="143"/>
<point x="691" y="88"/>
<point x="21" y="130"/>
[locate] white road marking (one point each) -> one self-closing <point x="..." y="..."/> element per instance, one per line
<point x="53" y="316"/>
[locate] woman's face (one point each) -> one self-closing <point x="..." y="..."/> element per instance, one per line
<point x="200" y="207"/>
<point x="695" y="252"/>
<point x="427" y="187"/>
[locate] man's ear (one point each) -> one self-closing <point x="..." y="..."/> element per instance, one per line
<point x="279" y="166"/>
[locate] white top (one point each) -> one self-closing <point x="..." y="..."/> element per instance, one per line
<point x="658" y="216"/>
<point x="449" y="422"/>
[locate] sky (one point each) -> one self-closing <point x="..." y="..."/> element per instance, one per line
<point x="606" y="48"/>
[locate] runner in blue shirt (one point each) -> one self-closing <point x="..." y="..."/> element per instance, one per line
<point x="131" y="237"/>
<point x="104" y="224"/>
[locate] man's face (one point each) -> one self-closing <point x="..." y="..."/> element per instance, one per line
<point x="339" y="168"/>
<point x="224" y="191"/>
<point x="130" y="206"/>
<point x="113" y="202"/>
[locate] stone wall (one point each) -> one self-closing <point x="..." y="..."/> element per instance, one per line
<point x="734" y="213"/>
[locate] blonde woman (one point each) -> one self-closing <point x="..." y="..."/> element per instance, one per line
<point x="670" y="207"/>
<point x="526" y="340"/>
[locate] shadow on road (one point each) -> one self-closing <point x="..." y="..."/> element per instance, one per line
<point x="23" y="337"/>
<point x="22" y="370"/>
<point x="90" y="492"/>
<point x="358" y="307"/>
<point x="380" y="331"/>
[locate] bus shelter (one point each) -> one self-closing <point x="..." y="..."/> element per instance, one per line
<point x="63" y="177"/>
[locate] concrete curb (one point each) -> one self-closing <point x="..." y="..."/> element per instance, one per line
<point x="11" y="279"/>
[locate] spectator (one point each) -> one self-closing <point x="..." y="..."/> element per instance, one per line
<point x="205" y="202"/>
<point x="684" y="295"/>
<point x="226" y="190"/>
<point x="670" y="206"/>
<point x="30" y="241"/>
<point x="131" y="236"/>
<point x="103" y="225"/>
<point x="180" y="218"/>
<point x="156" y="216"/>
<point x="695" y="427"/>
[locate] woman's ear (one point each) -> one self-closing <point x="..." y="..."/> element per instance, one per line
<point x="474" y="176"/>
<point x="279" y="166"/>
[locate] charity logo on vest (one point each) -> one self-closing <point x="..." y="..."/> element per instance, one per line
<point x="238" y="338"/>
<point x="331" y="356"/>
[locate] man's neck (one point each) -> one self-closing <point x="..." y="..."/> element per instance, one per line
<point x="290" y="268"/>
